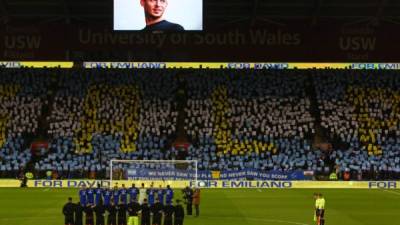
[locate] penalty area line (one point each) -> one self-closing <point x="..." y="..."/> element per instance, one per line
<point x="276" y="221"/>
<point x="260" y="220"/>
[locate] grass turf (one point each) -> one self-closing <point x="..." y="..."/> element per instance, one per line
<point x="226" y="207"/>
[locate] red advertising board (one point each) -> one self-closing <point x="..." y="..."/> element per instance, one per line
<point x="32" y="43"/>
<point x="294" y="43"/>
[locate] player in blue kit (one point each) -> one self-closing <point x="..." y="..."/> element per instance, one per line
<point x="151" y="195"/>
<point x="169" y="195"/>
<point x="82" y="197"/>
<point x="116" y="196"/>
<point x="99" y="194"/>
<point x="161" y="195"/>
<point x="123" y="192"/>
<point x="133" y="193"/>
<point x="107" y="195"/>
<point x="90" y="195"/>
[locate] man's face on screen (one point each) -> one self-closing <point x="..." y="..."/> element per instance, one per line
<point x="154" y="8"/>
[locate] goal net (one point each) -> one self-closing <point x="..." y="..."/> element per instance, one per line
<point x="175" y="173"/>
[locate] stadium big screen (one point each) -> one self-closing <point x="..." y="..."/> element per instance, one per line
<point x="158" y="15"/>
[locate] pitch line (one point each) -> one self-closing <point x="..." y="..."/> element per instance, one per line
<point x="29" y="217"/>
<point x="277" y="221"/>
<point x="260" y="220"/>
<point x="251" y="219"/>
<point x="392" y="192"/>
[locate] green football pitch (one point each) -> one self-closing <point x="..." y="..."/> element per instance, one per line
<point x="226" y="207"/>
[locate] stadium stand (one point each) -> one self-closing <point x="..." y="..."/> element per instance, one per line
<point x="22" y="97"/>
<point x="241" y="120"/>
<point x="99" y="116"/>
<point x="360" y="111"/>
<point x="233" y="120"/>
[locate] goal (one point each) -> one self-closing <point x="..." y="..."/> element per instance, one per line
<point x="175" y="173"/>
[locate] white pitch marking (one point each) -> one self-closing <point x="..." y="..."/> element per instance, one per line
<point x="261" y="220"/>
<point x="28" y="217"/>
<point x="393" y="192"/>
<point x="277" y="221"/>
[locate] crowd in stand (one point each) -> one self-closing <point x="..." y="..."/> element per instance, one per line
<point x="361" y="112"/>
<point x="272" y="105"/>
<point x="12" y="158"/>
<point x="99" y="116"/>
<point x="22" y="97"/>
<point x="257" y="120"/>
<point x="234" y="120"/>
<point x="293" y="155"/>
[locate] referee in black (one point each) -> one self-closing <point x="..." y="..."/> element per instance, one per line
<point x="133" y="211"/>
<point x="121" y="209"/>
<point x="157" y="209"/>
<point x="179" y="213"/>
<point x="68" y="211"/>
<point x="112" y="214"/>
<point x="99" y="211"/>
<point x="169" y="211"/>
<point x="145" y="213"/>
<point x="79" y="214"/>
<point x="188" y="196"/>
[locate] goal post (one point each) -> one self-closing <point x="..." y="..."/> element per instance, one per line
<point x="175" y="173"/>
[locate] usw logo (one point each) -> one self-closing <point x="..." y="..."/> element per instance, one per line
<point x="357" y="43"/>
<point x="22" y="41"/>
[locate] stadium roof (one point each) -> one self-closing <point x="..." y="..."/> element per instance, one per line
<point x="222" y="12"/>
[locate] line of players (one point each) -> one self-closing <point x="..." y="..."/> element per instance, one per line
<point x="121" y="195"/>
<point x="153" y="205"/>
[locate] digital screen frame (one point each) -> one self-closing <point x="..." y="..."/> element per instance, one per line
<point x="158" y="15"/>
